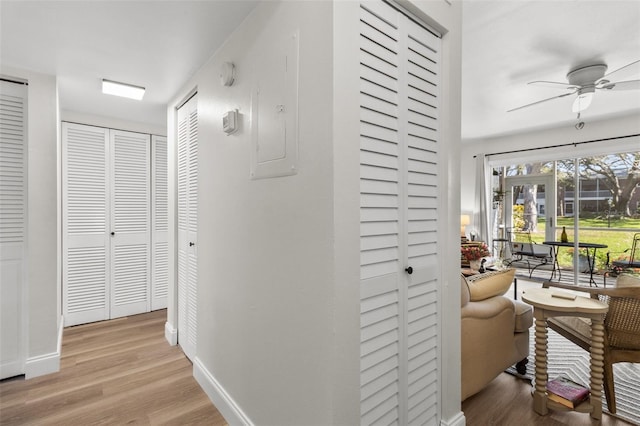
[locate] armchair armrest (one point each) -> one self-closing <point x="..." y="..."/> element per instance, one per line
<point x="488" y="308"/>
<point x="595" y="291"/>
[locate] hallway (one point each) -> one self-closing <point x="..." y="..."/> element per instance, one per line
<point x="114" y="372"/>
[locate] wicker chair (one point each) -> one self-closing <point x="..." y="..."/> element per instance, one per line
<point x="621" y="324"/>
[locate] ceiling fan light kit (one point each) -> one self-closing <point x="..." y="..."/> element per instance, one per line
<point x="582" y="102"/>
<point x="584" y="82"/>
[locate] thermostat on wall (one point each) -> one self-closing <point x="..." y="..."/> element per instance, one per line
<point x="230" y="122"/>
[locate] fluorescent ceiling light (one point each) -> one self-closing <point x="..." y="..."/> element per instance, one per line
<point x="122" y="89"/>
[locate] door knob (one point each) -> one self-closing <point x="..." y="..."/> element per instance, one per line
<point x="409" y="270"/>
<point x="113" y="233"/>
<point x="191" y="244"/>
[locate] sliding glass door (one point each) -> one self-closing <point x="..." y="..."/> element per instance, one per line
<point x="530" y="206"/>
<point x="594" y="199"/>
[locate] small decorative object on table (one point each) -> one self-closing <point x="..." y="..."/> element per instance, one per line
<point x="482" y="262"/>
<point x="473" y="252"/>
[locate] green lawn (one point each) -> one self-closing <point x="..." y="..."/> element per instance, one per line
<point x="617" y="237"/>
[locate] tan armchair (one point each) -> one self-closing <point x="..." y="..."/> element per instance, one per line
<point x="495" y="329"/>
<point x="621" y="326"/>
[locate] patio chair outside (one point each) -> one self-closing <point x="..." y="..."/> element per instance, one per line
<point x="630" y="261"/>
<point x="523" y="249"/>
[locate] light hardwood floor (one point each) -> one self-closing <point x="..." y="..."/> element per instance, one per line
<point x="507" y="401"/>
<point x="123" y="372"/>
<point x="112" y="373"/>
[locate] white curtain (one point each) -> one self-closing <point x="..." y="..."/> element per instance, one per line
<point x="482" y="210"/>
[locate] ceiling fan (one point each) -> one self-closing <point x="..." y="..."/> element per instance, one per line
<point x="583" y="82"/>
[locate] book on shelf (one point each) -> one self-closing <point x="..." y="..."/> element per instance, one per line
<point x="566" y="392"/>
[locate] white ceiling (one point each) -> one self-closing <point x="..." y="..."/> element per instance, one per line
<point x="507" y="44"/>
<point x="160" y="44"/>
<point x="154" y="44"/>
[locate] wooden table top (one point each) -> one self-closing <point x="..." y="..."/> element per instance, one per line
<point x="544" y="298"/>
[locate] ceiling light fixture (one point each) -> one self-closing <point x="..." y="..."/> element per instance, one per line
<point x="125" y="90"/>
<point x="585" y="96"/>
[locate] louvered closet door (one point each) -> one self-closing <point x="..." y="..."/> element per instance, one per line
<point x="187" y="225"/>
<point x="13" y="226"/>
<point x="130" y="223"/>
<point x="399" y="199"/>
<point x="86" y="274"/>
<point x="160" y="224"/>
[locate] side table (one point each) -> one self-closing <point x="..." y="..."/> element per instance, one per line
<point x="545" y="305"/>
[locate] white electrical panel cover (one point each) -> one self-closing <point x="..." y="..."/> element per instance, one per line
<point x="274" y="111"/>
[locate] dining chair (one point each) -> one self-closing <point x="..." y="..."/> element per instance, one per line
<point x="621" y="326"/>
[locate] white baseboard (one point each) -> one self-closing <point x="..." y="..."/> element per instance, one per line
<point x="456" y="420"/>
<point x="220" y="398"/>
<point x="47" y="363"/>
<point x="170" y="333"/>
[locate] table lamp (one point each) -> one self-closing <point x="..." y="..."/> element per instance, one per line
<point x="464" y="221"/>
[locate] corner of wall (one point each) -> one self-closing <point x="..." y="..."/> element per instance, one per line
<point x="170" y="333"/>
<point x="231" y="412"/>
<point x="457" y="419"/>
<point x="47" y="363"/>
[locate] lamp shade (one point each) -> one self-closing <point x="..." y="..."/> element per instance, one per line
<point x="465" y="219"/>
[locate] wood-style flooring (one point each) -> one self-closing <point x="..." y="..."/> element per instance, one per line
<point x="114" y="372"/>
<point x="123" y="371"/>
<point x="507" y="401"/>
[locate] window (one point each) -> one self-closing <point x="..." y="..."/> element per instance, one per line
<point x="605" y="209"/>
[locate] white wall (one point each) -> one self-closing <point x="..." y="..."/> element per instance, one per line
<point x="593" y="131"/>
<point x="346" y="212"/>
<point x="43" y="276"/>
<point x="112" y="123"/>
<point x="278" y="259"/>
<point x="265" y="294"/>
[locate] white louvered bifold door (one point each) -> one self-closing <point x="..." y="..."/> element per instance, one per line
<point x="13" y="226"/>
<point x="399" y="72"/>
<point x="130" y="223"/>
<point x="187" y="226"/>
<point x="160" y="224"/>
<point x="85" y="225"/>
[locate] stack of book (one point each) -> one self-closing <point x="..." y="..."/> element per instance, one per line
<point x="566" y="392"/>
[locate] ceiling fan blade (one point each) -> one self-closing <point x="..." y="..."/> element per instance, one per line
<point x="553" y="84"/>
<point x="621" y="85"/>
<point x="633" y="67"/>
<point x="539" y="102"/>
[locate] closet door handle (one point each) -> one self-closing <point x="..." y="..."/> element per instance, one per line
<point x="409" y="270"/>
<point x="113" y="233"/>
<point x="191" y="244"/>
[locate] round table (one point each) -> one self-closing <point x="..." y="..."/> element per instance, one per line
<point x="547" y="304"/>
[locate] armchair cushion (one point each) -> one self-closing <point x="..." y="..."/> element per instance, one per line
<point x="490" y="284"/>
<point x="524" y="316"/>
